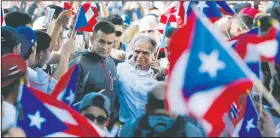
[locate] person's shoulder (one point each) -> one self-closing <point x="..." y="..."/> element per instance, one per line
<point x="128" y="129"/>
<point x="192" y="130"/>
<point x="124" y="65"/>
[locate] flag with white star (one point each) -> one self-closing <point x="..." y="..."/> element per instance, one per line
<point x="247" y="127"/>
<point x="209" y="8"/>
<point x="86" y="18"/>
<point x="42" y="115"/>
<point x="67" y="86"/>
<point x="205" y="76"/>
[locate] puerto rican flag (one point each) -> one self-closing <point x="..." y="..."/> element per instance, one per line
<point x="170" y="17"/>
<point x="68" y="6"/>
<point x="200" y="81"/>
<point x="268" y="46"/>
<point x="224" y="8"/>
<point x="252" y="57"/>
<point x="67" y="86"/>
<point x="209" y="8"/>
<point x="86" y="17"/>
<point x="2" y="18"/>
<point x="246" y="123"/>
<point x="42" y="115"/>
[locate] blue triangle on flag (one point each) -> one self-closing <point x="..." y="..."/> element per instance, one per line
<point x="81" y="20"/>
<point x="205" y="44"/>
<point x="37" y="119"/>
<point x="69" y="93"/>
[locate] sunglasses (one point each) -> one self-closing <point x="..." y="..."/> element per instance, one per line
<point x="118" y="33"/>
<point x="100" y="119"/>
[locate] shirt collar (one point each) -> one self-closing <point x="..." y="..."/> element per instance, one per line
<point x="141" y="72"/>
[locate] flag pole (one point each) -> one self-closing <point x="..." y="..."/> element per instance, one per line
<point x="261" y="90"/>
<point x="74" y="28"/>
<point x="163" y="37"/>
<point x="240" y="20"/>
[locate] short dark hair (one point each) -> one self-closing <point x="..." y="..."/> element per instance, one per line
<point x="9" y="39"/>
<point x="115" y="19"/>
<point x="239" y="6"/>
<point x="247" y="20"/>
<point x="148" y="39"/>
<point x="57" y="11"/>
<point x="170" y="31"/>
<point x="43" y="41"/>
<point x="17" y="19"/>
<point x="104" y="26"/>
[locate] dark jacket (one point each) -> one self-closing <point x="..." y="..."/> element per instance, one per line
<point x="96" y="73"/>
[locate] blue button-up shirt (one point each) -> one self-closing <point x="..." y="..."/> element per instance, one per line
<point x="134" y="85"/>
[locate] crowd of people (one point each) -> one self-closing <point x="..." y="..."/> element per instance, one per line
<point x="123" y="63"/>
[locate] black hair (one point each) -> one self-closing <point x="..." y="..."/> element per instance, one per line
<point x="43" y="41"/>
<point x="115" y="19"/>
<point x="247" y="20"/>
<point x="148" y="39"/>
<point x="6" y="11"/>
<point x="239" y="6"/>
<point x="57" y="11"/>
<point x="9" y="40"/>
<point x="17" y="19"/>
<point x="266" y="23"/>
<point x="105" y="27"/>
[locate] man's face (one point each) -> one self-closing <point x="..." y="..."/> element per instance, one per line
<point x="166" y="49"/>
<point x="119" y="31"/>
<point x="97" y="115"/>
<point x="142" y="54"/>
<point x="148" y="29"/>
<point x="102" y="43"/>
<point x="32" y="56"/>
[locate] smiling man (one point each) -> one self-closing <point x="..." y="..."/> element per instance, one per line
<point x="135" y="79"/>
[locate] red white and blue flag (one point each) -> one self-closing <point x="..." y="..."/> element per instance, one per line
<point x="200" y="81"/>
<point x="224" y="8"/>
<point x="170" y="17"/>
<point x="209" y="8"/>
<point x="42" y="115"/>
<point x="67" y="86"/>
<point x="68" y="6"/>
<point x="246" y="122"/>
<point x="252" y="57"/>
<point x="86" y="17"/>
<point x="268" y="46"/>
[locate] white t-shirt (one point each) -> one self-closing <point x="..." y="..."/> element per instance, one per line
<point x="41" y="80"/>
<point x="9" y="116"/>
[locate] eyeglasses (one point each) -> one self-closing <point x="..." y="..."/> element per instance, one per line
<point x="118" y="33"/>
<point x="100" y="119"/>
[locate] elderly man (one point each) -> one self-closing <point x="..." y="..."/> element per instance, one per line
<point x="135" y="79"/>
